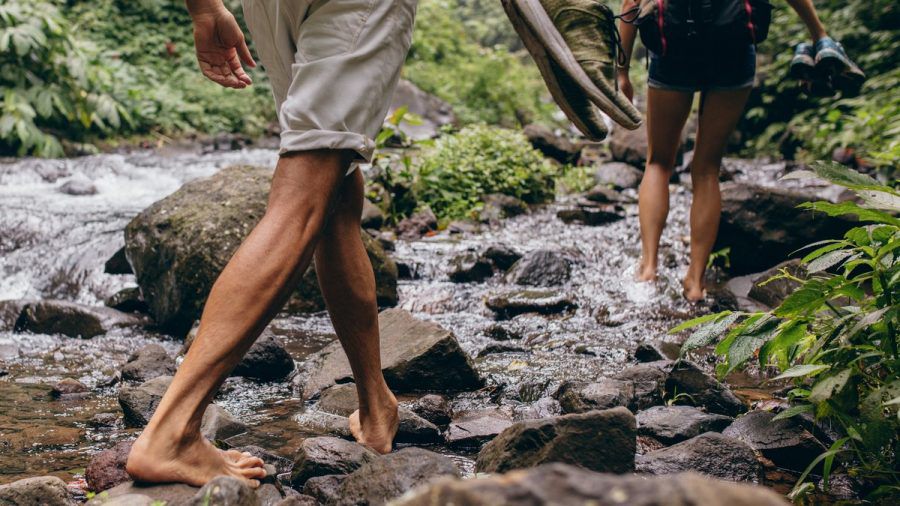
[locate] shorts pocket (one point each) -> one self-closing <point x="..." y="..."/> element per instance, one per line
<point x="332" y="28"/>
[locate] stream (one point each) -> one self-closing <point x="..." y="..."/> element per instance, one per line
<point x="53" y="245"/>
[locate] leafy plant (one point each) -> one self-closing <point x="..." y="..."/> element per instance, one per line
<point x="835" y="337"/>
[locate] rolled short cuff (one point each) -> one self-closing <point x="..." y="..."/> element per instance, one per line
<point x="308" y="140"/>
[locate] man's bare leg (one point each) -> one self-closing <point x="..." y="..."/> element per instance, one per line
<point x="348" y="284"/>
<point x="250" y="291"/>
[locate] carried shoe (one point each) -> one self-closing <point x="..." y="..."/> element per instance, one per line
<point x="832" y="61"/>
<point x="580" y="36"/>
<point x="803" y="65"/>
<point x="567" y="94"/>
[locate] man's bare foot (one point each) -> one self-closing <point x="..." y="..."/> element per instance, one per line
<point x="693" y="291"/>
<point x="194" y="462"/>
<point x="376" y="428"/>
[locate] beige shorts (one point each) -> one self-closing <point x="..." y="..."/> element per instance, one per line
<point x="333" y="65"/>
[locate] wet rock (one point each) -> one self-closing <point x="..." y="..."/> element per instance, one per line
<point x="281" y="464"/>
<point x="43" y="490"/>
<point x="416" y="355"/>
<point x="589" y="216"/>
<point x="434" y="408"/>
<point x="602" y="194"/>
<point x="551" y="145"/>
<point x="618" y="175"/>
<point x="474" y="429"/>
<point x="502" y="256"/>
<point x="320" y="456"/>
<point x="598" y="440"/>
<point x="10" y="310"/>
<point x="710" y="453"/>
<point x="324" y="489"/>
<point x="417" y="225"/>
<point x="463" y="227"/>
<point x="68" y="387"/>
<point x="225" y="491"/>
<point x="107" y="468"/>
<point x="672" y="424"/>
<point x="648" y="381"/>
<point x="128" y="300"/>
<point x="179" y="245"/>
<point x="341" y="399"/>
<point x="541" y="268"/>
<point x="561" y="484"/>
<point x="546" y="302"/>
<point x="433" y="112"/>
<point x="773" y="293"/>
<point x="71" y="319"/>
<point x="267" y="360"/>
<point x="320" y="422"/>
<point x="763" y="226"/>
<point x="498" y="206"/>
<point x="499" y="348"/>
<point x="605" y="393"/>
<point x="703" y="390"/>
<point x="137" y="494"/>
<point x="389" y="477"/>
<point x="372" y="216"/>
<point x="469" y="268"/>
<point x="387" y="240"/>
<point x="149" y="362"/>
<point x="649" y="352"/>
<point x="784" y="442"/>
<point x="118" y="263"/>
<point x="139" y="402"/>
<point x="629" y="146"/>
<point x="268" y="494"/>
<point x="104" y="420"/>
<point x="499" y="332"/>
<point x="78" y="187"/>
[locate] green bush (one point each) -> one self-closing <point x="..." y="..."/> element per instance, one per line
<point x="835" y="337"/>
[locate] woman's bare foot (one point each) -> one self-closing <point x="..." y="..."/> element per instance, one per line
<point x="194" y="462"/>
<point x="645" y="272"/>
<point x="693" y="290"/>
<point x="376" y="427"/>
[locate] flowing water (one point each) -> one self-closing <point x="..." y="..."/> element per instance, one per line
<point x="53" y="245"/>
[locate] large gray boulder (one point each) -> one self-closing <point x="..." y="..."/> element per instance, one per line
<point x="149" y="362"/>
<point x="179" y="245"/>
<point x="43" y="490"/>
<point x="320" y="456"/>
<point x="541" y="268"/>
<point x="472" y="430"/>
<point x="763" y="226"/>
<point x="266" y="360"/>
<point x="560" y="484"/>
<point x="389" y="477"/>
<point x="416" y="355"/>
<point x="672" y="424"/>
<point x="605" y="393"/>
<point x="710" y="453"/>
<point x="598" y="440"/>
<point x="71" y="319"/>
<point x="784" y="442"/>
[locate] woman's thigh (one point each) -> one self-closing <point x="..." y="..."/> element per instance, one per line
<point x="667" y="111"/>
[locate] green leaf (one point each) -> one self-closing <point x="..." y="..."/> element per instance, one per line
<point x="708" y="333"/>
<point x="827" y="387"/>
<point x="828" y="260"/>
<point x="697" y="321"/>
<point x="806" y="299"/>
<point x="851" y="208"/>
<point x="877" y="199"/>
<point x="793" y="411"/>
<point x="802" y="370"/>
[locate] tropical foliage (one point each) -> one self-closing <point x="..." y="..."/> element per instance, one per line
<point x="835" y="337"/>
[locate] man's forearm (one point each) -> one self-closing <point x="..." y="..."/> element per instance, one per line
<point x="627" y="32"/>
<point x="200" y="7"/>
<point x="807" y="12"/>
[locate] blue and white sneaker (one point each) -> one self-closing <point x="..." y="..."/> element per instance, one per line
<point x="832" y="61"/>
<point x="803" y="64"/>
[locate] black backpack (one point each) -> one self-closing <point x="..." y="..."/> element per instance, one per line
<point x="676" y="28"/>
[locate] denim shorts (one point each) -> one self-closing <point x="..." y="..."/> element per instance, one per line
<point x="709" y="69"/>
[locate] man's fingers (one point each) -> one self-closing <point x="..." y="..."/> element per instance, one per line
<point x="221" y="75"/>
<point x="238" y="70"/>
<point x="244" y="53"/>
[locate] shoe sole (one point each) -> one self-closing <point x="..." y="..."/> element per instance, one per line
<point x="546" y="34"/>
<point x="557" y="81"/>
<point x="846" y="77"/>
<point x="802" y="68"/>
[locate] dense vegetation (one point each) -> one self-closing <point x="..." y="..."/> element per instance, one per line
<point x="835" y="336"/>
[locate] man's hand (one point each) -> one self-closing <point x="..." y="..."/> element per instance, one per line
<point x="221" y="48"/>
<point x="625" y="83"/>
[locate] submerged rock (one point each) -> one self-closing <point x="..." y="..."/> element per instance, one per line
<point x="541" y="268"/>
<point x="784" y="442"/>
<point x="502" y="256"/>
<point x="605" y="393"/>
<point x="618" y="175"/>
<point x="598" y="440"/>
<point x="128" y="300"/>
<point x="589" y="216"/>
<point x="320" y="422"/>
<point x="78" y="187"/>
<point x="71" y="319"/>
<point x="416" y="355"/>
<point x="469" y="267"/>
<point x="149" y="362"/>
<point x="546" y="302"/>
<point x="68" y="387"/>
<point x="179" y="245"/>
<point x="266" y="360"/>
<point x="434" y="408"/>
<point x="43" y="490"/>
<point x="472" y="430"/>
<point x="320" y="456"/>
<point x="392" y="475"/>
<point x="710" y="453"/>
<point x="672" y="424"/>
<point x="703" y="390"/>
<point x="107" y="468"/>
<point x="763" y="225"/>
<point x="561" y="484"/>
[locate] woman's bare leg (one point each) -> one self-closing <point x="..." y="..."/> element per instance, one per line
<point x="248" y="293"/>
<point x="667" y="112"/>
<point x="348" y="284"/>
<point x="721" y="112"/>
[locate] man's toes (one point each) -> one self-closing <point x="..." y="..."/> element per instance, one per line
<point x="251" y="462"/>
<point x="234" y="455"/>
